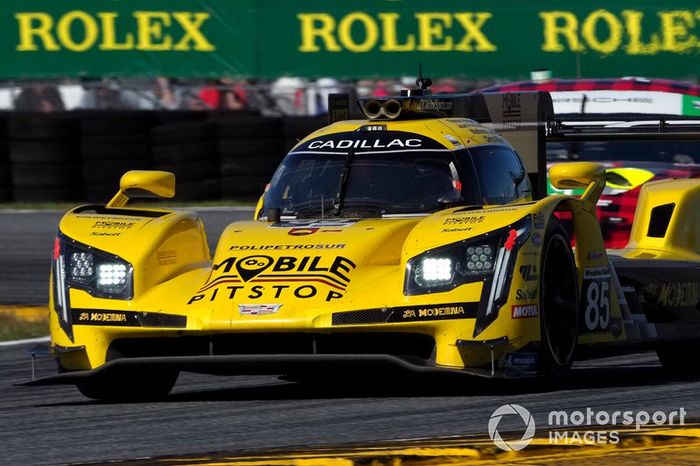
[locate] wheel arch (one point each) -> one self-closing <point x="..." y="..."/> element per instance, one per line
<point x="589" y="250"/>
<point x="590" y="257"/>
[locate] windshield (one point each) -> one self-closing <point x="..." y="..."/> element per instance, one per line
<point x="313" y="184"/>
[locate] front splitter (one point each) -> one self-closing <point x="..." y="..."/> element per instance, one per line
<point x="259" y="364"/>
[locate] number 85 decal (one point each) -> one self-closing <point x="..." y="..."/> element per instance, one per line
<point x="596" y="298"/>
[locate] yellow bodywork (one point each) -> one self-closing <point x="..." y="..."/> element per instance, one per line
<point x="339" y="267"/>
<point x="682" y="240"/>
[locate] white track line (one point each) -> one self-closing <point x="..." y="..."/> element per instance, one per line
<point x="25" y="341"/>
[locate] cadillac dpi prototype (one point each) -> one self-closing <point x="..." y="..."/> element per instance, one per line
<point x="418" y="238"/>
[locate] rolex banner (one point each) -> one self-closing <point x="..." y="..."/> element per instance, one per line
<point x="348" y="38"/>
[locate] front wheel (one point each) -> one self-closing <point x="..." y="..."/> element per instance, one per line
<point x="133" y="385"/>
<point x="558" y="303"/>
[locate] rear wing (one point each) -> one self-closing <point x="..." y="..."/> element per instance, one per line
<point x="520" y="117"/>
<point x="623" y="128"/>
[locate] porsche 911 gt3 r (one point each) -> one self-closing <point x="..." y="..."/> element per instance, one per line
<point x="416" y="239"/>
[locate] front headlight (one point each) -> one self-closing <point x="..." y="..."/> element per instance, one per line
<point x="489" y="258"/>
<point x="447" y="267"/>
<point x="99" y="273"/>
<point x="83" y="267"/>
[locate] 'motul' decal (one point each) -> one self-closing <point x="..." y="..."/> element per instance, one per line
<point x="263" y="277"/>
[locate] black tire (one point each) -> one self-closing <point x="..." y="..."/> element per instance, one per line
<point x="179" y="116"/>
<point x="198" y="190"/>
<point x="232" y="126"/>
<point x="559" y="304"/>
<point x="3" y="127"/>
<point x="117" y="122"/>
<point x="43" y="127"/>
<point x="247" y="147"/>
<point x="135" y="385"/>
<point x="184" y="132"/>
<point x="243" y="187"/>
<point x="5" y="194"/>
<point x="47" y="175"/>
<point x="115" y="147"/>
<point x="43" y="151"/>
<point x="43" y="194"/>
<point x="192" y="172"/>
<point x="100" y="193"/>
<point x="300" y="127"/>
<point x="184" y="153"/>
<point x="258" y="166"/>
<point x="289" y="143"/>
<point x="5" y="175"/>
<point x="96" y="171"/>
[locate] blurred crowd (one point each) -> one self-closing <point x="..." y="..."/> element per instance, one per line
<point x="283" y="96"/>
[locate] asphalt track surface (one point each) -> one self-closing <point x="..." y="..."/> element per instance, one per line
<point x="57" y="425"/>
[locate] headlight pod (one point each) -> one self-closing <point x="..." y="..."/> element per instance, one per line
<point x="445" y="268"/>
<point x="101" y="274"/>
<point x="489" y="257"/>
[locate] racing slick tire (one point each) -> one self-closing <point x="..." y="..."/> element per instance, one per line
<point x="35" y="126"/>
<point x="249" y="187"/>
<point x="5" y="181"/>
<point x="559" y="308"/>
<point x="135" y="385"/>
<point x="237" y="125"/>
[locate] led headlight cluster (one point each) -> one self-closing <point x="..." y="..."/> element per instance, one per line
<point x="488" y="257"/>
<point x="434" y="270"/>
<point x="97" y="272"/>
<point x="81" y="265"/>
<point x="480" y="258"/>
<point x="445" y="268"/>
<point x="111" y="275"/>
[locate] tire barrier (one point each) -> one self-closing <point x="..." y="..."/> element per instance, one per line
<point x="111" y="144"/>
<point x="80" y="155"/>
<point x="251" y="148"/>
<point x="44" y="154"/>
<point x="188" y="149"/>
<point x="296" y="128"/>
<point x="5" y="173"/>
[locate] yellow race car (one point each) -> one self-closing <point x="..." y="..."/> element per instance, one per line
<point x="418" y="238"/>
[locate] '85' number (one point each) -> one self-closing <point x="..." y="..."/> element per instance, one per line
<point x="597" y="313"/>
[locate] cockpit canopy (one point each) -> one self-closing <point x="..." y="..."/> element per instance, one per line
<point x="375" y="174"/>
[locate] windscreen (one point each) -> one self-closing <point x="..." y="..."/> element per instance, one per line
<point x="365" y="175"/>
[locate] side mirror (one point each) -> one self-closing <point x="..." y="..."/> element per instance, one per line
<point x="143" y="184"/>
<point x="576" y="175"/>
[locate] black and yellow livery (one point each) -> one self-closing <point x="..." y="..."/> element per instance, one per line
<point x="415" y="239"/>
